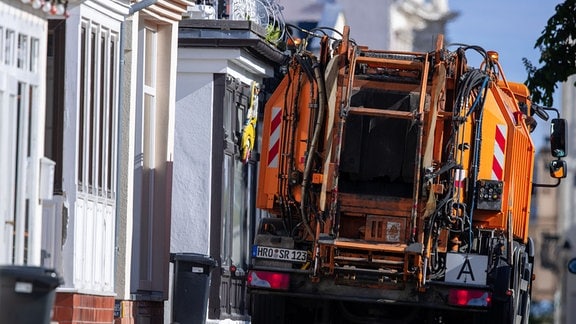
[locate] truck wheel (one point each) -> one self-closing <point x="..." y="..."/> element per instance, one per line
<point x="522" y="284"/>
<point x="266" y="309"/>
<point x="525" y="288"/>
<point x="525" y="308"/>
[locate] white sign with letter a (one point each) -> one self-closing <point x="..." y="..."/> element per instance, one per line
<point x="466" y="268"/>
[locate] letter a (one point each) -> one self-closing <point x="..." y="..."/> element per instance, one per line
<point x="466" y="269"/>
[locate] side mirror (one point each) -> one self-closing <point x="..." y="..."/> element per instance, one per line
<point x="558" y="137"/>
<point x="572" y="266"/>
<point x="558" y="169"/>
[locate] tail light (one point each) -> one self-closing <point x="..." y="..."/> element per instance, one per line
<point x="469" y="297"/>
<point x="266" y="279"/>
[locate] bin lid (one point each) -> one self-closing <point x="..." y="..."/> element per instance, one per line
<point x="33" y="274"/>
<point x="193" y="258"/>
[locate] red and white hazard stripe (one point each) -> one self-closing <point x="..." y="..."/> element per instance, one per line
<point x="274" y="144"/>
<point x="499" y="149"/>
<point x="459" y="178"/>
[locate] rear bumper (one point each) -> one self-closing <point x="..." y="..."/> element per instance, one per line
<point x="434" y="295"/>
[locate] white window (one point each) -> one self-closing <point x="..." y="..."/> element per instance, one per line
<point x="22" y="61"/>
<point x="146" y="116"/>
<point x="1" y="45"/>
<point x="17" y="100"/>
<point x="9" y="47"/>
<point x="8" y="140"/>
<point x="146" y="132"/>
<point x="97" y="111"/>
<point x="20" y="116"/>
<point x="149" y="121"/>
<point x="34" y="51"/>
<point x="96" y="147"/>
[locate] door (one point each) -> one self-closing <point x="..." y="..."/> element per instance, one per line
<point x="236" y="178"/>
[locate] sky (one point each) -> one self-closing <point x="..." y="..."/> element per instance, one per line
<point x="509" y="27"/>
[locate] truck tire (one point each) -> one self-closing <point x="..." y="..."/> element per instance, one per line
<point x="515" y="309"/>
<point x="525" y="288"/>
<point x="525" y="308"/>
<point x="523" y="284"/>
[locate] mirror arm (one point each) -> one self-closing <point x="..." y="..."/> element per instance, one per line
<point x="550" y="108"/>
<point x="545" y="185"/>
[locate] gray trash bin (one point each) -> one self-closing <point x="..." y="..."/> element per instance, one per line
<point x="191" y="287"/>
<point x="27" y="294"/>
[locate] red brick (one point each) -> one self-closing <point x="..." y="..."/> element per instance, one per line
<point x="73" y="308"/>
<point x="64" y="299"/>
<point x="62" y="314"/>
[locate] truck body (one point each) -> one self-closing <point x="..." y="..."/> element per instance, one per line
<point x="395" y="187"/>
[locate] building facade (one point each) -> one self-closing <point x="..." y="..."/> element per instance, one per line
<point x="26" y="183"/>
<point x="223" y="71"/>
<point x="566" y="295"/>
<point x="545" y="231"/>
<point x="408" y="25"/>
<point x="118" y="87"/>
<point x="87" y="97"/>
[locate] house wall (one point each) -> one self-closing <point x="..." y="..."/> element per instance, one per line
<point x="208" y="177"/>
<point x="152" y="33"/>
<point x="126" y="138"/>
<point x="193" y="141"/>
<point x="87" y="202"/>
<point x="114" y="270"/>
<point x="88" y="252"/>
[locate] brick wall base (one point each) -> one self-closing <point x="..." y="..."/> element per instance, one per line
<point x="132" y="312"/>
<point x="73" y="308"/>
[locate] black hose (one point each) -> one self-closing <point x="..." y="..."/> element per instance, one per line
<point x="314" y="142"/>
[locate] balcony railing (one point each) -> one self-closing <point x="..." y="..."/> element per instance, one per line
<point x="265" y="13"/>
<point x="53" y="7"/>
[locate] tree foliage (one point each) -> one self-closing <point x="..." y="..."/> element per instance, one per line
<point x="557" y="45"/>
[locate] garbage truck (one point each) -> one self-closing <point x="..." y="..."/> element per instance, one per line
<point x="395" y="187"/>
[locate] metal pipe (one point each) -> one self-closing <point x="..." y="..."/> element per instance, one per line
<point x="314" y="142"/>
<point x="140" y="5"/>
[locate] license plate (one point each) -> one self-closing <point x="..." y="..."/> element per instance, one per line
<point x="275" y="253"/>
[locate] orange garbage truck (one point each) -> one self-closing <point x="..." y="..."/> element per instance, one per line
<point x="395" y="187"/>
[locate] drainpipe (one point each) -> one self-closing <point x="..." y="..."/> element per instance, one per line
<point x="140" y="5"/>
<point x="134" y="8"/>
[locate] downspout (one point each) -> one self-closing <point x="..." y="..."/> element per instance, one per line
<point x="134" y="8"/>
<point x="140" y="5"/>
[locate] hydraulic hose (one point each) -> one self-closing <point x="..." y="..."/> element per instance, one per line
<point x="314" y="142"/>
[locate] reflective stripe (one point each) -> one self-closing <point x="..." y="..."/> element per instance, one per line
<point x="459" y="178"/>
<point x="274" y="144"/>
<point x="499" y="147"/>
